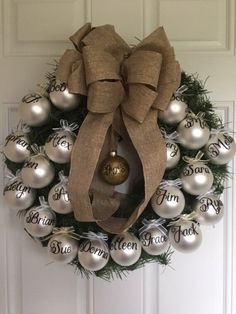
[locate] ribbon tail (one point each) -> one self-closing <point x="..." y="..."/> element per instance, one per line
<point x="146" y="137"/>
<point x="84" y="161"/>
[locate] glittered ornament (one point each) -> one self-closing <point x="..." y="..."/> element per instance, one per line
<point x="197" y="178"/>
<point x="16" y="194"/>
<point x="175" y="112"/>
<point x="35" y="109"/>
<point x="58" y="197"/>
<point x="62" y="247"/>
<point x="220" y="148"/>
<point x="114" y="169"/>
<point x="153" y="237"/>
<point x="39" y="221"/>
<point x="125" y="249"/>
<point x="193" y="132"/>
<point x="93" y="252"/>
<point x="61" y="98"/>
<point x="37" y="171"/>
<point x="17" y="147"/>
<point x="59" y="144"/>
<point x="168" y="201"/>
<point x="185" y="235"/>
<point x="209" y="209"/>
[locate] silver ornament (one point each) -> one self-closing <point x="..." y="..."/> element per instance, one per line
<point x="185" y="236"/>
<point x="173" y="154"/>
<point x="175" y="112"/>
<point x="37" y="172"/>
<point x="61" y="98"/>
<point x="62" y="248"/>
<point x="58" y="198"/>
<point x="220" y="148"/>
<point x="93" y="254"/>
<point x="197" y="178"/>
<point x="154" y="241"/>
<point x="17" y="147"/>
<point x="17" y="195"/>
<point x="168" y="201"/>
<point x="125" y="249"/>
<point x="193" y="132"/>
<point x="209" y="208"/>
<point x="35" y="109"/>
<point x="39" y="222"/>
<point x="59" y="145"/>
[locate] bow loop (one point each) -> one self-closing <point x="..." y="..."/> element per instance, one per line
<point x="138" y="101"/>
<point x="143" y="67"/>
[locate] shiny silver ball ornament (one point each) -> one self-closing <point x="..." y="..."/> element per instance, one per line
<point x="154" y="241"/>
<point x="37" y="172"/>
<point x="209" y="208"/>
<point x="185" y="236"/>
<point x="168" y="202"/>
<point x="39" y="222"/>
<point x="220" y="148"/>
<point x="59" y="145"/>
<point x="35" y="109"/>
<point x="61" y="98"/>
<point x="175" y="112"/>
<point x="197" y="178"/>
<point x="193" y="132"/>
<point x="93" y="254"/>
<point x="125" y="249"/>
<point x="17" y="195"/>
<point x="17" y="147"/>
<point x="62" y="248"/>
<point x="173" y="154"/>
<point x="58" y="199"/>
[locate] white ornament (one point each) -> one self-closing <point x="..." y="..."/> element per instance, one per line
<point x="61" y="98"/>
<point x="193" y="132"/>
<point x="220" y="148"/>
<point x="197" y="178"/>
<point x="35" y="109"/>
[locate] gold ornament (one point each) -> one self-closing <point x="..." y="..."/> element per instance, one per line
<point x="114" y="169"/>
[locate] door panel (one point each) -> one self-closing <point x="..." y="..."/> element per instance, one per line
<point x="202" y="282"/>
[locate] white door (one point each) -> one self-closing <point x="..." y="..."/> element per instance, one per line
<point x="33" y="33"/>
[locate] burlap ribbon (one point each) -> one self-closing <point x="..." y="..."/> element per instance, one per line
<point x="125" y="85"/>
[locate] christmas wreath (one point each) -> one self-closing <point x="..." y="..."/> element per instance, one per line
<point x="118" y="156"/>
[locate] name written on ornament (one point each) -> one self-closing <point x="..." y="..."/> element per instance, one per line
<point x="208" y="202"/>
<point x="59" y="140"/>
<point x="190" y="170"/>
<point x="33" y="218"/>
<point x="190" y="121"/>
<point x="163" y="195"/>
<point x="110" y="170"/>
<point x="30" y="164"/>
<point x="88" y="247"/>
<point x="173" y="147"/>
<point x="147" y="239"/>
<point x="58" y="87"/>
<point x="56" y="247"/>
<point x="31" y="98"/>
<point x="178" y="231"/>
<point x="60" y="193"/>
<point x="19" y="187"/>
<point x="214" y="148"/>
<point x="18" y="139"/>
<point x="120" y="244"/>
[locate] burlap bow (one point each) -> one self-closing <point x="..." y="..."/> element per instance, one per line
<point x="125" y="88"/>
